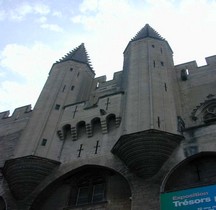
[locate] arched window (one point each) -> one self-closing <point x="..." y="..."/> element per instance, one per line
<point x="96" y="125"/>
<point x="67" y="130"/>
<point x="111" y="122"/>
<point x="81" y="129"/>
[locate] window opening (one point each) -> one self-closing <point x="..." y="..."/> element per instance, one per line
<point x="64" y="88"/>
<point x="71" y="69"/>
<point x="57" y="106"/>
<point x="96" y="147"/>
<point x="44" y="141"/>
<point x="184" y="74"/>
<point x="153" y="46"/>
<point x="162" y="63"/>
<point x="91" y="190"/>
<point x="98" y="193"/>
<point x="81" y="129"/>
<point x="154" y="64"/>
<point x="107" y="103"/>
<point x="75" y="110"/>
<point x="72" y="87"/>
<point x="80" y="150"/>
<point x="96" y="125"/>
<point x="165" y="86"/>
<point x="111" y="122"/>
<point x="158" y="122"/>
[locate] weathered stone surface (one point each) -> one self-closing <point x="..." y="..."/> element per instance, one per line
<point x="149" y="126"/>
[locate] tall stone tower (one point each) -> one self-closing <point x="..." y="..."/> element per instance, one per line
<point x="143" y="140"/>
<point x="70" y="81"/>
<point x="150" y="113"/>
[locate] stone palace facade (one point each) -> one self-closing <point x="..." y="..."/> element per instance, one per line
<point x="92" y="144"/>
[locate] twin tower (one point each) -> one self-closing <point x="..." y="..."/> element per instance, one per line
<point x="139" y="102"/>
<point x="96" y="144"/>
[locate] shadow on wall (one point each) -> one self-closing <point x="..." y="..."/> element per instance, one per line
<point x="84" y="188"/>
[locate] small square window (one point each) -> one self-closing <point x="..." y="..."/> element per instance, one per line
<point x="71" y="69"/>
<point x="43" y="143"/>
<point x="57" y="106"/>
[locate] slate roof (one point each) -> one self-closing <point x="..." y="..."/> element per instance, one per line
<point x="147" y="31"/>
<point x="78" y="54"/>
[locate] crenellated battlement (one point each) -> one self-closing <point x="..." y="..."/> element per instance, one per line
<point x="19" y="113"/>
<point x="210" y="62"/>
<point x="192" y="70"/>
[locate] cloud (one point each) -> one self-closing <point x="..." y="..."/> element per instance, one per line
<point x="45" y="25"/>
<point x="2" y="74"/>
<point x="57" y="14"/>
<point x="111" y="24"/>
<point x="20" y="12"/>
<point x="32" y="64"/>
<point x="89" y="5"/>
<point x="24" y="9"/>
<point x="52" y="27"/>
<point x="106" y="27"/>
<point x="41" y="9"/>
<point x="42" y="19"/>
<point x="2" y="15"/>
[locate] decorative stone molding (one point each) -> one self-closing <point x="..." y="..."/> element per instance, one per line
<point x="89" y="130"/>
<point x="104" y="126"/>
<point x="205" y="112"/>
<point x="104" y="123"/>
<point x="74" y="133"/>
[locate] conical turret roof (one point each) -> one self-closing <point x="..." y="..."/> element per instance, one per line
<point x="78" y="54"/>
<point x="147" y="31"/>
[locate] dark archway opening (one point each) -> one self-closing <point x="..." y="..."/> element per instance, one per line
<point x="87" y="187"/>
<point x="197" y="170"/>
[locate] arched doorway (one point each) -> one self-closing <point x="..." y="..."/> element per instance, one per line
<point x="88" y="187"/>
